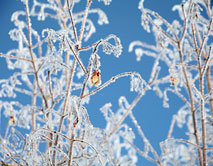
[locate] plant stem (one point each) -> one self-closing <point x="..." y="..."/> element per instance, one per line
<point x="71" y="147"/>
<point x="84" y="20"/>
<point x="33" y="104"/>
<point x="191" y="102"/>
<point x="64" y="107"/>
<point x="32" y="56"/>
<point x="208" y="74"/>
<point x="72" y="21"/>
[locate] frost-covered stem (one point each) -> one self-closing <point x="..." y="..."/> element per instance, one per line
<point x="191" y="102"/>
<point x="85" y="83"/>
<point x="201" y="91"/>
<point x="142" y="153"/>
<point x="185" y="23"/>
<point x="31" y="53"/>
<point x="194" y="39"/>
<point x="39" y="43"/>
<point x="203" y="127"/>
<point x="14" y="57"/>
<point x="90" y="46"/>
<point x="202" y="111"/>
<point x="185" y="20"/>
<point x="84" y="20"/>
<point x="198" y="37"/>
<point x="171" y="126"/>
<point x="72" y="21"/>
<point x="207" y="61"/>
<point x="155" y="70"/>
<point x="208" y="75"/>
<point x="33" y="104"/>
<point x="24" y="37"/>
<point x="179" y="43"/>
<point x="206" y="70"/>
<point x="107" y="83"/>
<point x="76" y="57"/>
<point x="71" y="147"/>
<point x="50" y="86"/>
<point x="11" y="157"/>
<point x="144" y="137"/>
<point x="67" y="57"/>
<point x="205" y="38"/>
<point x="78" y="140"/>
<point x="167" y="24"/>
<point x="185" y="141"/>
<point x="160" y="29"/>
<point x="179" y="95"/>
<point x="6" y="129"/>
<point x="64" y="107"/>
<point x="135" y="101"/>
<point x="59" y="4"/>
<point x="208" y="7"/>
<point x="201" y="76"/>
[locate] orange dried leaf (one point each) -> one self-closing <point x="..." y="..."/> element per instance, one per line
<point x="95" y="79"/>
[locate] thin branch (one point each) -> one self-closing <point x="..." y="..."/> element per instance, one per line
<point x="72" y="21"/>
<point x="24" y="37"/>
<point x="185" y="141"/>
<point x="113" y="79"/>
<point x="39" y="43"/>
<point x="179" y="95"/>
<point x="201" y="75"/>
<point x="116" y="126"/>
<point x="144" y="137"/>
<point x="76" y="57"/>
<point x="205" y="38"/>
<point x="88" y="47"/>
<point x="142" y="153"/>
<point x="50" y="86"/>
<point x="31" y="53"/>
<point x="14" y="57"/>
<point x="187" y="65"/>
<point x="191" y="101"/>
<point x="84" y="20"/>
<point x="206" y="65"/>
<point x="171" y="126"/>
<point x="185" y="20"/>
<point x="33" y="104"/>
<point x="68" y="93"/>
<point x="209" y="85"/>
<point x="71" y="147"/>
<point x="159" y="28"/>
<point x="167" y="24"/>
<point x="202" y="93"/>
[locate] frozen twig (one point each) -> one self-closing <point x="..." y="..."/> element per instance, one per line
<point x="31" y="53"/>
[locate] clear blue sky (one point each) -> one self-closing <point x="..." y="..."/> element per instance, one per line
<point x="124" y="22"/>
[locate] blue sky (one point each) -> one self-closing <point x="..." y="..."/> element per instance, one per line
<point x="124" y="22"/>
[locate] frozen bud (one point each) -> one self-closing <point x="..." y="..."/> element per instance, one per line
<point x="75" y="122"/>
<point x="12" y="120"/>
<point x="95" y="78"/>
<point x="174" y="80"/>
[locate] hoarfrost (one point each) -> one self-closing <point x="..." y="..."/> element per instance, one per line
<point x="106" y="2"/>
<point x="57" y="116"/>
<point x="112" y="49"/>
